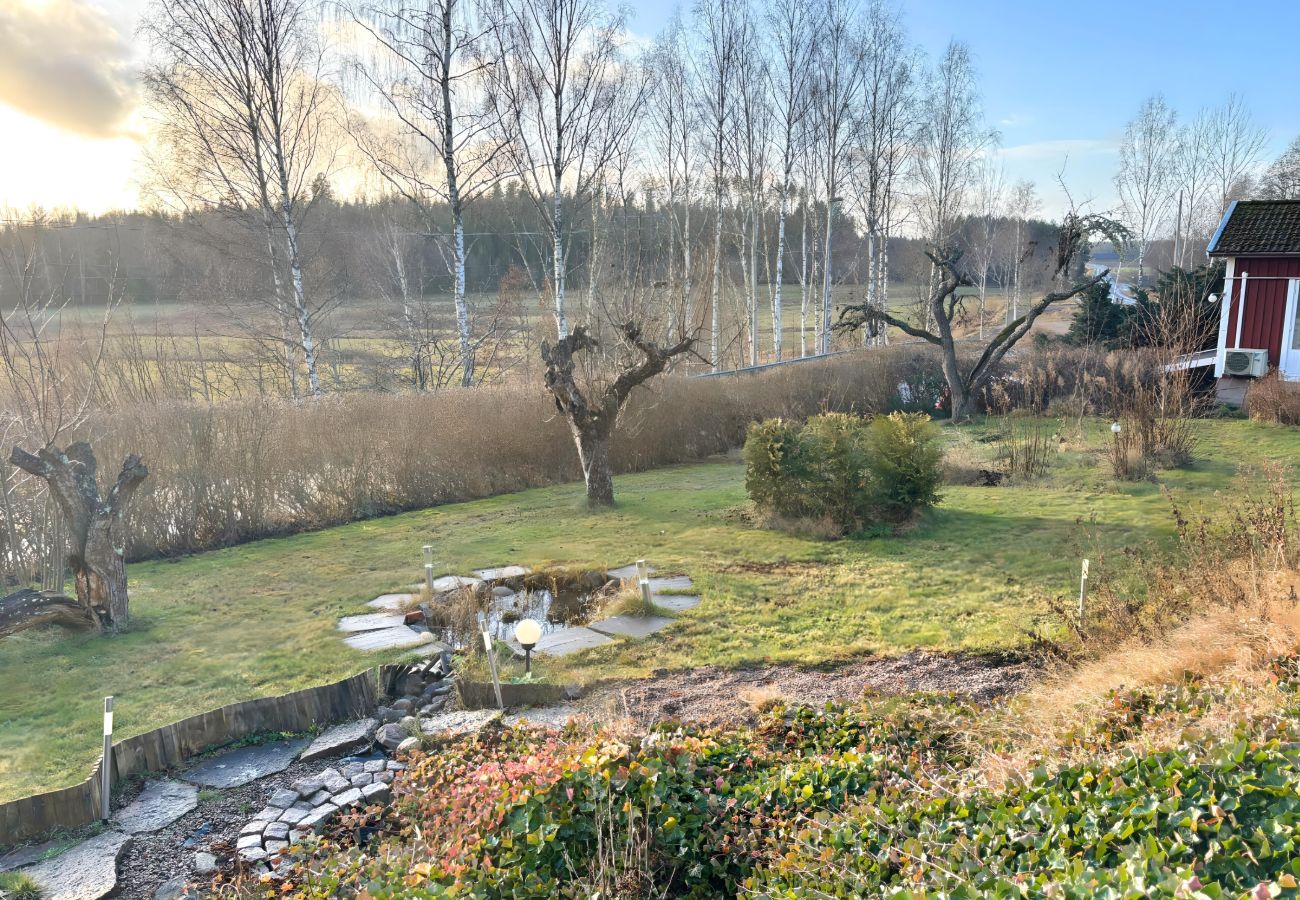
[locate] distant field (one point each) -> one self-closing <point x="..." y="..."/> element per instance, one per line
<point x="195" y="352"/>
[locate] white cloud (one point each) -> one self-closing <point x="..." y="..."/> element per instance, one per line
<point x="65" y="62"/>
<point x="1059" y="149"/>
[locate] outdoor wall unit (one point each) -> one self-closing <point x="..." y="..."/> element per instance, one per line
<point x="1248" y="363"/>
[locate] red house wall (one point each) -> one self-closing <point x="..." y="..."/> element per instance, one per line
<point x="1261" y="326"/>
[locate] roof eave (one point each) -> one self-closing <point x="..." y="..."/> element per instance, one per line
<point x="1212" y="249"/>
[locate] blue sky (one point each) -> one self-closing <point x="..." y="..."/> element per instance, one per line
<point x="1061" y="79"/>
<point x="1059" y="82"/>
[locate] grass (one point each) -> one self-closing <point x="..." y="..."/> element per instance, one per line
<point x="258" y="619"/>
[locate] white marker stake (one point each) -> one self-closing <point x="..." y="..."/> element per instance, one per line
<point x="1083" y="592"/>
<point x="106" y="767"/>
<point x="428" y="575"/>
<point x="642" y="570"/>
<point x="492" y="666"/>
<point x="645" y="595"/>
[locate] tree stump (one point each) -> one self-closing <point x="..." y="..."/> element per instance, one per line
<point x="97" y="552"/>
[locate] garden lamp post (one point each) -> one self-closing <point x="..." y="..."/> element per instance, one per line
<point x="528" y="633"/>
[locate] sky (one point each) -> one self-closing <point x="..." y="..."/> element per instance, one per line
<point x="1059" y="81"/>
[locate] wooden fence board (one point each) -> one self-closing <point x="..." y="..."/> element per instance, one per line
<point x="170" y="746"/>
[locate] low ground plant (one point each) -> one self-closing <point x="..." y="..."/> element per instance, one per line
<point x="1272" y="400"/>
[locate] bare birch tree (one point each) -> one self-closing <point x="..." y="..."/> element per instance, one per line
<point x="986" y="215"/>
<point x="718" y="27"/>
<point x="1192" y="181"/>
<point x="429" y="69"/>
<point x="1146" y="174"/>
<point x="792" y="25"/>
<point x="1281" y="180"/>
<point x="1235" y="146"/>
<point x="1022" y="204"/>
<point x="752" y="148"/>
<point x="951" y="139"/>
<point x="237" y="87"/>
<point x="886" y="125"/>
<point x="838" y="71"/>
<point x="558" y="99"/>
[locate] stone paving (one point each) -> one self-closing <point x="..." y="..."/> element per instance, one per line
<point x="634" y="627"/>
<point x="564" y="641"/>
<point x="307" y="806"/>
<point x="86" y="871"/>
<point x="340" y="739"/>
<point x="157" y="806"/>
<point x="245" y="764"/>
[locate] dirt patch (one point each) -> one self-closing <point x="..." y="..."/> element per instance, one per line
<point x="716" y="696"/>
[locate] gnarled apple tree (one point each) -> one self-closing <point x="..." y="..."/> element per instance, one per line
<point x="592" y="418"/>
<point x="97" y="551"/>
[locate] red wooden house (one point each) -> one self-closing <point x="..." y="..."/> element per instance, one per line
<point x="1259" y="240"/>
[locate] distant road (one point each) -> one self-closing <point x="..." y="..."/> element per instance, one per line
<point x="1120" y="291"/>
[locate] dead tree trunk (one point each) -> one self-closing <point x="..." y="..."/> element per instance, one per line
<point x="592" y="420"/>
<point x="97" y="552"/>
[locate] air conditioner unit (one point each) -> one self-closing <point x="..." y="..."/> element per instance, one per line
<point x="1249" y="363"/>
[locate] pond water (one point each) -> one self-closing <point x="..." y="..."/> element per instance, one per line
<point x="498" y="612"/>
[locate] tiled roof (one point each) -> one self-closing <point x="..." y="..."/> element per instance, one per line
<point x="1258" y="226"/>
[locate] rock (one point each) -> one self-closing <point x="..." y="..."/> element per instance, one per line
<point x="409" y="724"/>
<point x="292" y="816"/>
<point x="254" y="826"/>
<point x="283" y="798"/>
<point x="158" y="805"/>
<point x="376" y="793"/>
<point x="346" y="738"/>
<point x="391" y="736"/>
<point x="414" y="617"/>
<point x="385" y="777"/>
<point x="503" y="573"/>
<point x="326" y="774"/>
<point x="348" y="798"/>
<point x="387" y="714"/>
<point x="395" y="766"/>
<point x="410" y="743"/>
<point x="501" y="592"/>
<point x="86" y="871"/>
<point x="336" y="783"/>
<point x="238" y="767"/>
<point x="205" y="863"/>
<point x="319" y="797"/>
<point x="363" y="779"/>
<point x="432" y="709"/>
<point x="171" y="890"/>
<point x="276" y="831"/>
<point x="449" y="726"/>
<point x="248" y="840"/>
<point x="573" y="692"/>
<point x="305" y="787"/>
<point x="252" y="855"/>
<point x="268" y="814"/>
<point x="353" y="769"/>
<point x="403" y="706"/>
<point x="375" y="766"/>
<point x="274" y="847"/>
<point x="444" y="689"/>
<point x="318" y="818"/>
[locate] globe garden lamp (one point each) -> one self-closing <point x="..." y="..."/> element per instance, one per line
<point x="1114" y="428"/>
<point x="528" y="633"/>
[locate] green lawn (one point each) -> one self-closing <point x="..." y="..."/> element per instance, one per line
<point x="259" y="619"/>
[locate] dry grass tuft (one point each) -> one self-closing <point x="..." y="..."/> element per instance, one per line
<point x="1270" y="399"/>
<point x="764" y="698"/>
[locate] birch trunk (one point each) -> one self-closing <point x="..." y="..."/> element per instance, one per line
<point x="826" y="283"/>
<point x="780" y="271"/>
<point x="557" y="261"/>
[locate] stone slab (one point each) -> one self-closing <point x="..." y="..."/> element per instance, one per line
<point x="548" y="716"/>
<point x="339" y="740"/>
<point x="395" y="638"/>
<point x="625" y="572"/>
<point x="25" y="856"/>
<point x="675" y="602"/>
<point x="391" y="602"/>
<point x="240" y="766"/>
<point x="570" y="640"/>
<point x="631" y="626"/>
<point x="452" y="725"/>
<point x="157" y="806"/>
<point x="87" y="871"/>
<point x="671" y="583"/>
<point x="370" y="622"/>
<point x="502" y="573"/>
<point x="445" y="584"/>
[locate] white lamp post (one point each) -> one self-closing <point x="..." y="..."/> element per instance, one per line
<point x="106" y="766"/>
<point x="528" y="633"/>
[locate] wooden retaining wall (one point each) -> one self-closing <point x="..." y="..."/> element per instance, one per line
<point x="171" y="745"/>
